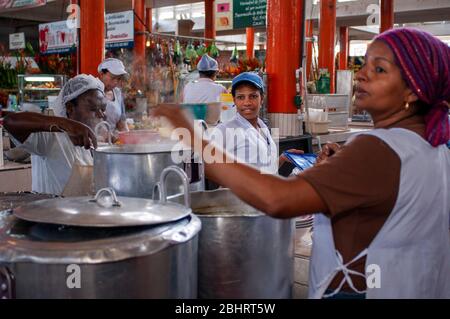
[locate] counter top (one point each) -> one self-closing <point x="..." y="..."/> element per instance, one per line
<point x="9" y="166"/>
<point x="340" y="136"/>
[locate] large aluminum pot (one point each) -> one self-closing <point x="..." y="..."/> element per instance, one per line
<point x="158" y="259"/>
<point x="132" y="170"/>
<point x="243" y="253"/>
<point x="51" y="261"/>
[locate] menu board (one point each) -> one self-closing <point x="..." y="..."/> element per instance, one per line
<point x="57" y="37"/>
<point x="249" y="13"/>
<point x="120" y="30"/>
<point x="239" y="14"/>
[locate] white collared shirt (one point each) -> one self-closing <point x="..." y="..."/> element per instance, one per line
<point x="52" y="158"/>
<point x="248" y="145"/>
<point x="203" y="90"/>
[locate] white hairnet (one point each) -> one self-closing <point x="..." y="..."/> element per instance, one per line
<point x="73" y="89"/>
<point x="207" y="63"/>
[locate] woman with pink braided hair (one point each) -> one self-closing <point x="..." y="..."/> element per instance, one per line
<point x="382" y="201"/>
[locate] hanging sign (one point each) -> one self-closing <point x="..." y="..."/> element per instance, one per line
<point x="120" y="30"/>
<point x="239" y="14"/>
<point x="56" y="37"/>
<point x="17" y="41"/>
<point x="224" y="15"/>
<point x="249" y="13"/>
<point x="8" y="5"/>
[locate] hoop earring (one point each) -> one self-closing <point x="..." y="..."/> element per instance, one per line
<point x="407" y="106"/>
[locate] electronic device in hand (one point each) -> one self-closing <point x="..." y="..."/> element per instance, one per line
<point x="302" y="161"/>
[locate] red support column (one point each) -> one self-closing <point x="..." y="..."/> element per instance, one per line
<point x="250" y="42"/>
<point x="92" y="35"/>
<point x="77" y="55"/>
<point x="309" y="25"/>
<point x="149" y="19"/>
<point x="139" y="74"/>
<point x="327" y="33"/>
<point x="210" y="28"/>
<point x="139" y="28"/>
<point x="284" y="46"/>
<point x="386" y="15"/>
<point x="343" y="44"/>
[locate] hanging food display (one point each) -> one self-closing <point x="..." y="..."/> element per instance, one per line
<point x="190" y="54"/>
<point x="201" y="49"/>
<point x="169" y="64"/>
<point x="213" y="51"/>
<point x="234" y="56"/>
<point x="177" y="53"/>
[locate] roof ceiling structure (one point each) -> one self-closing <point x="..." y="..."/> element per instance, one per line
<point x="353" y="13"/>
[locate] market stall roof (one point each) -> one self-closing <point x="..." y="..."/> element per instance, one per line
<point x="353" y="13"/>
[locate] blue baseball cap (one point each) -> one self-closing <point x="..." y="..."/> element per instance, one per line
<point x="251" y="77"/>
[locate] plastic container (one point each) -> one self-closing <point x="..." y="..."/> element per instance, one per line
<point x="198" y="111"/>
<point x="319" y="127"/>
<point x="208" y="112"/>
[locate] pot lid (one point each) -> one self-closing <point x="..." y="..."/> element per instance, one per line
<point x="105" y="210"/>
<point x="22" y="241"/>
<point x="153" y="148"/>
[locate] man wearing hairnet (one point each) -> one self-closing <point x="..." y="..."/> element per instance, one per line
<point x="56" y="143"/>
<point x="204" y="90"/>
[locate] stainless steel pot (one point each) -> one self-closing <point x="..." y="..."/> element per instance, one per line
<point x="242" y="252"/>
<point x="133" y="170"/>
<point x="40" y="260"/>
<point x="141" y="262"/>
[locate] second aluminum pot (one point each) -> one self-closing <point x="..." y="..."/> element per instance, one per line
<point x="243" y="253"/>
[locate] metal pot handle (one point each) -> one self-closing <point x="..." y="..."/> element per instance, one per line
<point x="7" y="284"/>
<point x="108" y="128"/>
<point x="157" y="188"/>
<point x="185" y="180"/>
<point x="111" y="192"/>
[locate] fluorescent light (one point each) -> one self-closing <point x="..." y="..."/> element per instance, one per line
<point x="39" y="79"/>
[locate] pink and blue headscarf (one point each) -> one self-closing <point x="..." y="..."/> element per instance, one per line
<point x="424" y="61"/>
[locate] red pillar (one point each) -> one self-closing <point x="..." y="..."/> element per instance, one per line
<point x="386" y="15"/>
<point x="92" y="44"/>
<point x="250" y="42"/>
<point x="284" y="44"/>
<point x="139" y="74"/>
<point x="148" y="19"/>
<point x="139" y="28"/>
<point x="77" y="56"/>
<point x="343" y="44"/>
<point x="210" y="28"/>
<point x="327" y="32"/>
<point x="309" y="25"/>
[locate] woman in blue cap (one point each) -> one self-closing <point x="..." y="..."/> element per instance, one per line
<point x="246" y="136"/>
<point x="204" y="90"/>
